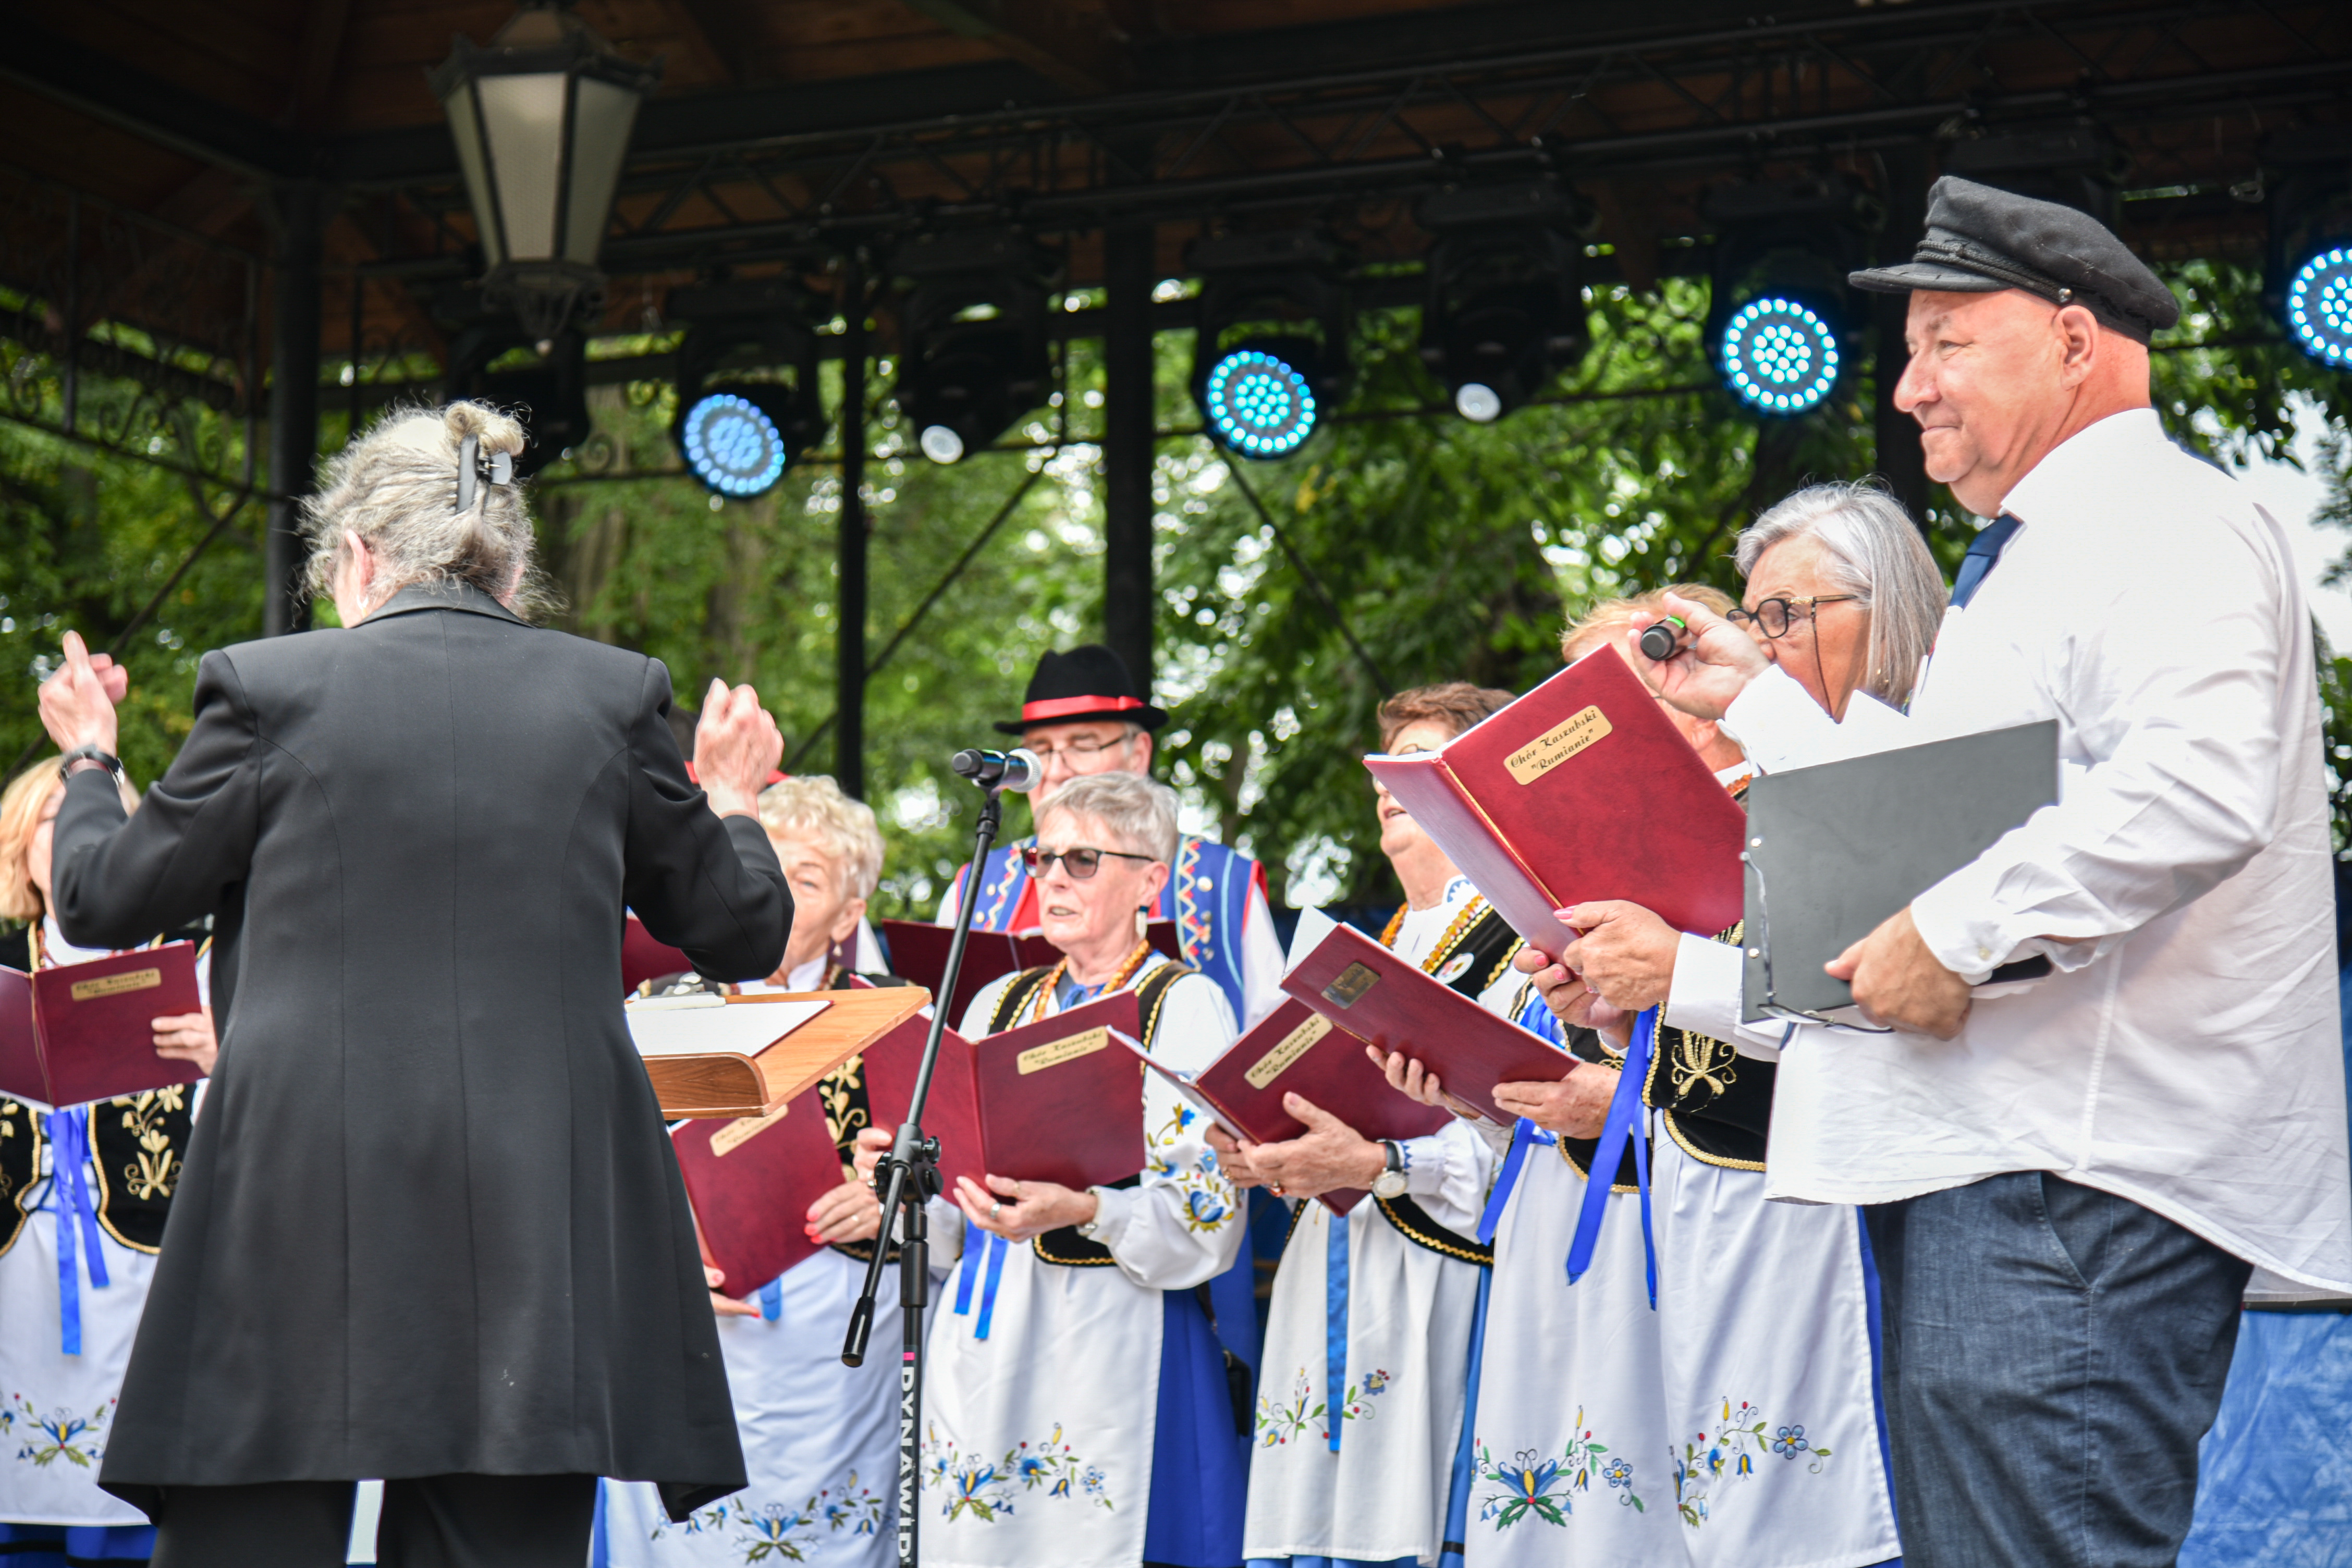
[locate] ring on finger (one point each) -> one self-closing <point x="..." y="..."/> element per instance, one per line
<point x="995" y="1209"/>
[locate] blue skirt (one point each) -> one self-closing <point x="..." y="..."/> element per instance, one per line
<point x="1200" y="1465"/>
<point x="73" y="1545"/>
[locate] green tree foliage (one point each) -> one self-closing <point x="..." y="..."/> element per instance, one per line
<point x="1450" y="552"/>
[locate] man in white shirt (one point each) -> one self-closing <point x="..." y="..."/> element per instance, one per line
<point x="2070" y="1182"/>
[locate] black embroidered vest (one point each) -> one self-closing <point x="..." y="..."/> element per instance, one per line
<point x="1488" y="947"/>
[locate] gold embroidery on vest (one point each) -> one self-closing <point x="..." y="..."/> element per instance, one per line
<point x="157" y="1170"/>
<point x="836" y="1091"/>
<point x="1696" y="1061"/>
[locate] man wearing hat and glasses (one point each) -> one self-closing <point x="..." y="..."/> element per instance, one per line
<point x="2070" y="1184"/>
<point x="1082" y="716"/>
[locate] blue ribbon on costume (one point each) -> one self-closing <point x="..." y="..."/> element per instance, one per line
<point x="69" y="1148"/>
<point x="968" y="1275"/>
<point x="1335" y="1325"/>
<point x="1625" y="1110"/>
<point x="1524" y="1133"/>
<point x="772" y="1299"/>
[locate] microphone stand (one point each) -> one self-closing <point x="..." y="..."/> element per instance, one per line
<point x="908" y="1176"/>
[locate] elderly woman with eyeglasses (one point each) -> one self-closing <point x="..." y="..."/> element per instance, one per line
<point x="1738" y="1411"/>
<point x="1078" y="1407"/>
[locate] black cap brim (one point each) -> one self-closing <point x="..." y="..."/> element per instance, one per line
<point x="1145" y="719"/>
<point x="1915" y="275"/>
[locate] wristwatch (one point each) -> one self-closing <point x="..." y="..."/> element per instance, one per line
<point x="1390" y="1184"/>
<point x="112" y="765"/>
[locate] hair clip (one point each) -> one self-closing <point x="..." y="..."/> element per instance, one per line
<point x="496" y="469"/>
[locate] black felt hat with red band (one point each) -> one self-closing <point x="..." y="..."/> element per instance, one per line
<point x="1085" y="684"/>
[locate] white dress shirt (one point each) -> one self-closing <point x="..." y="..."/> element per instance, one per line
<point x="2186" y="1054"/>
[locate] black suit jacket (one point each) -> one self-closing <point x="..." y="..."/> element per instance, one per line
<point x="430" y="1221"/>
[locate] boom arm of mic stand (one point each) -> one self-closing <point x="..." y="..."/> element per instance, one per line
<point x="908" y="1176"/>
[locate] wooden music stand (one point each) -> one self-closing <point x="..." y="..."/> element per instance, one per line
<point x="728" y="1083"/>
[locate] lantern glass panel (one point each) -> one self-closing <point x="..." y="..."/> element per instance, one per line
<point x="465" y="126"/>
<point x="524" y="117"/>
<point x="602" y="116"/>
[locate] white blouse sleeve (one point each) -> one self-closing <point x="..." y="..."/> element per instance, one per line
<point x="1447" y="1174"/>
<point x="1182" y="1226"/>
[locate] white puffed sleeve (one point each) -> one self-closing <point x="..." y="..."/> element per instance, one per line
<point x="1447" y="1174"/>
<point x="1182" y="1226"/>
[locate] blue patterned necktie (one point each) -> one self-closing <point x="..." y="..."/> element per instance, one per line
<point x="1984" y="550"/>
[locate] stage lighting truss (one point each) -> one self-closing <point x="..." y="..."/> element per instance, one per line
<point x="1781" y="315"/>
<point x="2309" y="274"/>
<point x="1504" y="310"/>
<point x="747" y="406"/>
<point x="1270" y="357"/>
<point x="973" y="328"/>
<point x="1780" y="355"/>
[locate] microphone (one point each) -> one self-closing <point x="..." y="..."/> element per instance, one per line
<point x="1017" y="770"/>
<point x="1662" y="639"/>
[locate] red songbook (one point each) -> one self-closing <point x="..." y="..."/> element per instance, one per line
<point x="919" y="951"/>
<point x="1056" y="1100"/>
<point x="85" y="1031"/>
<point x="644" y="959"/>
<point x="1295" y="1049"/>
<point x="1373" y="993"/>
<point x="1579" y="790"/>
<point x="752" y="1179"/>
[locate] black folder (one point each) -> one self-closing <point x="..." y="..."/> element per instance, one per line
<point x="1836" y="849"/>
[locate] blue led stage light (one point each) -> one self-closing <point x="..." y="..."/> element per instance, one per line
<point x="2319" y="306"/>
<point x="1778" y="355"/>
<point x="732" y="444"/>
<point x="1259" y="403"/>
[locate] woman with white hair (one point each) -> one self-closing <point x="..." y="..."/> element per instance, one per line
<point x="1078" y="1408"/>
<point x="431" y="1226"/>
<point x="84" y="1193"/>
<point x="818" y="1436"/>
<point x="1734" y="1422"/>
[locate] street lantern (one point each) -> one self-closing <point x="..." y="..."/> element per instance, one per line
<point x="542" y="119"/>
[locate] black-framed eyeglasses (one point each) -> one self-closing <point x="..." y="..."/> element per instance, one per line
<point x="1080" y="863"/>
<point x="1774" y="616"/>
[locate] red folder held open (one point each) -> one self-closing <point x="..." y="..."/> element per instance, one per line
<point x="1056" y="1100"/>
<point x="919" y="951"/>
<point x="1295" y="1049"/>
<point x="1368" y="991"/>
<point x="752" y="1179"/>
<point x="85" y="1031"/>
<point x="1579" y="790"/>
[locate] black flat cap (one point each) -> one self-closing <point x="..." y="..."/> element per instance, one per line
<point x="1980" y="240"/>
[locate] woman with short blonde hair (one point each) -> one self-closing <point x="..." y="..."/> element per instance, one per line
<point x="1078" y="1407"/>
<point x="130" y="1153"/>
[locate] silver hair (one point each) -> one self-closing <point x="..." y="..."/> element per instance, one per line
<point x="813" y="807"/>
<point x="1876" y="553"/>
<point x="396" y="487"/>
<point x="1140" y="813"/>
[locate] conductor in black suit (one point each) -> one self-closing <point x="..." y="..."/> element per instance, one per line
<point x="431" y="1229"/>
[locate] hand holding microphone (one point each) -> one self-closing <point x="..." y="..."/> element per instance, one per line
<point x="1691" y="657"/>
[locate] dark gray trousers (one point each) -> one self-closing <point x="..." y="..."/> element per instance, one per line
<point x="2053" y="1355"/>
<point x="434" y="1521"/>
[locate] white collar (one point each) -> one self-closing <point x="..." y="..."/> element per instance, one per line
<point x="58" y="950"/>
<point x="2084" y="462"/>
